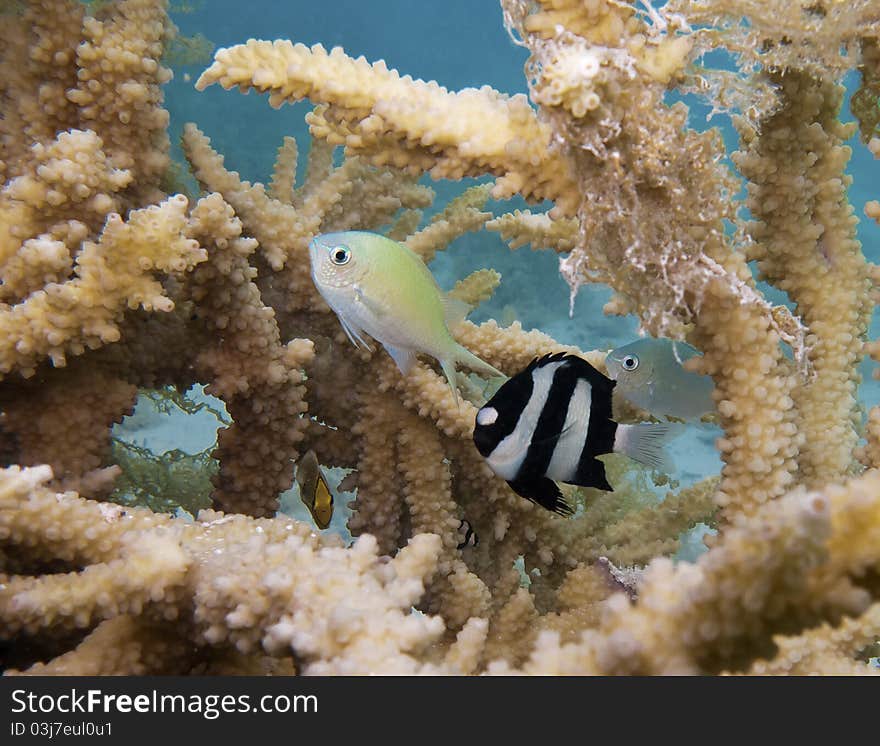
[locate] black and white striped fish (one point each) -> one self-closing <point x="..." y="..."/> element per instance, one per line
<point x="470" y="536"/>
<point x="550" y="422"/>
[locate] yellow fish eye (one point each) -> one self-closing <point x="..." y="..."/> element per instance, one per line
<point x="630" y="362"/>
<point x="340" y="255"/>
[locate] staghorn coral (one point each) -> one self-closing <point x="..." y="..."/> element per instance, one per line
<point x="817" y="36"/>
<point x="620" y="169"/>
<point x="163" y="570"/>
<point x="640" y="202"/>
<point x="864" y="102"/>
<point x="99" y="73"/>
<point x="42" y="325"/>
<point x="805" y="244"/>
<point x="86" y="234"/>
<point x="256" y="376"/>
<point x="540" y="230"/>
<point x="825" y="650"/>
<point x="790" y="567"/>
<point x="409" y="124"/>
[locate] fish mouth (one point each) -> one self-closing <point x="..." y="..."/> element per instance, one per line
<point x="315" y="250"/>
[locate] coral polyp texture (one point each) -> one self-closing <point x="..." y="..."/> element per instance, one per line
<point x="112" y="285"/>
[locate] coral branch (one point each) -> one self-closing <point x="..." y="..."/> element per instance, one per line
<point x="393" y="120"/>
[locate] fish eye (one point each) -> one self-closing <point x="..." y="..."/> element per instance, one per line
<point x="630" y="362"/>
<point x="340" y="255"/>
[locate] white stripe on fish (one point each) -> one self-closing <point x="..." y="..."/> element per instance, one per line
<point x="563" y="465"/>
<point x="507" y="457"/>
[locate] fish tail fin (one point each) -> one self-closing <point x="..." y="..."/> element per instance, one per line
<point x="646" y="443"/>
<point x="468" y="359"/>
<point x="448" y="367"/>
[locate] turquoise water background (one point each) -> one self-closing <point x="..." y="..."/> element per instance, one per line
<point x="459" y="43"/>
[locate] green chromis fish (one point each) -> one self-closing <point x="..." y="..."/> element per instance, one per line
<point x="380" y="287"/>
<point x="650" y="375"/>
<point x="314" y="490"/>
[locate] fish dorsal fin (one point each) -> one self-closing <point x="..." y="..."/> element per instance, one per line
<point x="454" y="310"/>
<point x="405" y="357"/>
<point x="307" y="471"/>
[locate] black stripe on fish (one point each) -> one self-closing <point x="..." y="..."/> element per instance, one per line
<point x="601" y="429"/>
<point x="470" y="536"/>
<point x="552" y="419"/>
<point x="600" y="434"/>
<point x="509" y="401"/>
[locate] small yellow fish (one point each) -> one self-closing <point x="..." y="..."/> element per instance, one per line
<point x="313" y="490"/>
<point x="379" y="286"/>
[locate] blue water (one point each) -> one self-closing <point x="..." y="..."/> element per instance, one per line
<point x="459" y="43"/>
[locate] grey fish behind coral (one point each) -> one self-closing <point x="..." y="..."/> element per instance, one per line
<point x="650" y="375"/>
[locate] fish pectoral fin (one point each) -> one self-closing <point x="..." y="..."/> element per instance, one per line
<point x="405" y="357"/>
<point x="552" y="438"/>
<point x="543" y="491"/>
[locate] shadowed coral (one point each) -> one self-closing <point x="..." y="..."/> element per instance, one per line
<point x="865" y="102"/>
<point x="84" y="312"/>
<point x="256" y="376"/>
<point x="826" y="650"/>
<point x="79" y="442"/>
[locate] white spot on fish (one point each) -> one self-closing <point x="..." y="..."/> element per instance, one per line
<point x="487" y="416"/>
